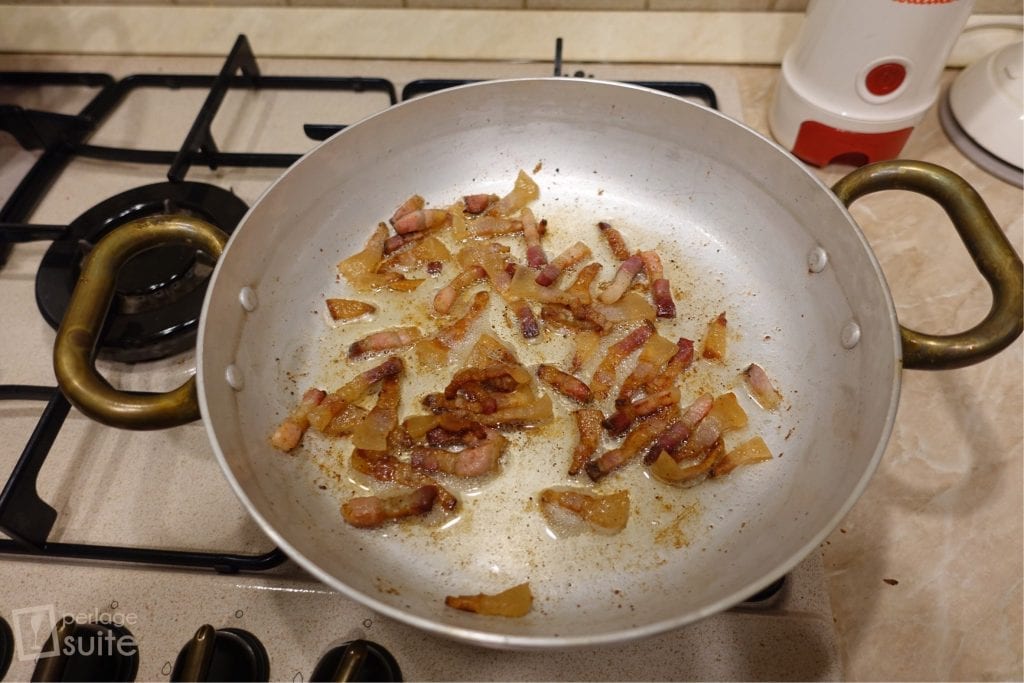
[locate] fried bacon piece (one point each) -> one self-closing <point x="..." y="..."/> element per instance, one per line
<point x="564" y="383"/>
<point x="615" y="240"/>
<point x="675" y="367"/>
<point x="661" y="291"/>
<point x="535" y="256"/>
<point x="535" y="411"/>
<point x="606" y="514"/>
<point x="426" y="250"/>
<point x="714" y="341"/>
<point x="579" y="290"/>
<point x="604" y="375"/>
<point x="499" y="377"/>
<point x="367" y="512"/>
<point x="586" y="346"/>
<point x="435" y="349"/>
<point x="387" y="468"/>
<point x="493" y="257"/>
<point x="515" y="602"/>
<point x="479" y="457"/>
<point x="344" y="423"/>
<point x="421" y="219"/>
<point x="619" y="421"/>
<point x="348" y="309"/>
<point x="669" y="471"/>
<point x="562" y="318"/>
<point x="528" y="325"/>
<point x="628" y="270"/>
<point x="446" y="296"/>
<point x="385" y="340"/>
<point x="473" y="398"/>
<point x="489" y="351"/>
<point x="747" y="453"/>
<point x="676" y="434"/>
<point x="351" y="391"/>
<point x="567" y="259"/>
<point x="629" y="308"/>
<point x="766" y="395"/>
<point x="450" y="430"/>
<point x="725" y="415"/>
<point x="396" y="242"/>
<point x="635" y="441"/>
<point x="588" y="424"/>
<point x="360" y="269"/>
<point x="413" y="203"/>
<point x="653" y="356"/>
<point x="478" y="203"/>
<point x="372" y="433"/>
<point x="288" y="434"/>
<point x="523" y="192"/>
<point x="522" y="284"/>
<point x="493" y="226"/>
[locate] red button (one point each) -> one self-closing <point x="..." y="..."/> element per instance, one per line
<point x="885" y="78"/>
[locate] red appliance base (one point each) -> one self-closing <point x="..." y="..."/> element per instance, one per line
<point x="822" y="145"/>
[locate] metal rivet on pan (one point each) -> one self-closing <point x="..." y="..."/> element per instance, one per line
<point x="247" y="297"/>
<point x="850" y="336"/>
<point x="817" y="259"/>
<point x="234" y="377"/>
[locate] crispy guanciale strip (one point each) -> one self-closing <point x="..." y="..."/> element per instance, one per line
<point x="493" y="226"/>
<point x="478" y="458"/>
<point x="636" y="441"/>
<point x="493" y="257"/>
<point x="348" y="309"/>
<point x="352" y="391"/>
<point x="421" y="219"/>
<point x="579" y="290"/>
<point x="288" y="434"/>
<point x="621" y="420"/>
<point x="562" y="318"/>
<point x="413" y="203"/>
<point x="604" y="375"/>
<point x="615" y="240"/>
<point x="424" y="251"/>
<point x="675" y="367"/>
<point x="586" y="346"/>
<point x="453" y="430"/>
<point x="672" y="439"/>
<point x="476" y="399"/>
<point x="666" y="469"/>
<point x="372" y="432"/>
<point x="478" y="203"/>
<point x="661" y="291"/>
<point x="344" y="423"/>
<point x="497" y="377"/>
<point x="489" y="351"/>
<point x="588" y="424"/>
<point x="715" y="340"/>
<point x="527" y="321"/>
<point x="396" y="242"/>
<point x="535" y="256"/>
<point x="606" y="514"/>
<point x="567" y="259"/>
<point x="761" y="388"/>
<point x="387" y="468"/>
<point x="523" y="192"/>
<point x="536" y="411"/>
<point x="515" y="602"/>
<point x="747" y="453"/>
<point x="628" y="270"/>
<point x="653" y="357"/>
<point x="451" y="334"/>
<point x="725" y="415"/>
<point x="367" y="512"/>
<point x="360" y="269"/>
<point x="385" y="340"/>
<point x="446" y="296"/>
<point x="564" y="383"/>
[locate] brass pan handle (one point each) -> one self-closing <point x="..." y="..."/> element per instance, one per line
<point x="988" y="247"/>
<point x="74" y="352"/>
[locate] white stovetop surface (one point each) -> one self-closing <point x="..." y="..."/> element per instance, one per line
<point x="165" y="489"/>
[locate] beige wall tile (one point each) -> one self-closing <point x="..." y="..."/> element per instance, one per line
<point x="467" y="4"/>
<point x="587" y="4"/>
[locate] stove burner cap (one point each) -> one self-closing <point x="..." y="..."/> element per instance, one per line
<point x="160" y="293"/>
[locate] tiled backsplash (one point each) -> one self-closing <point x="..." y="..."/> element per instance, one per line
<point x="981" y="6"/>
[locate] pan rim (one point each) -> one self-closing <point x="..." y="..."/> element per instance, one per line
<point x="547" y="642"/>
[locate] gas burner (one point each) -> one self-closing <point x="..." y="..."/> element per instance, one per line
<point x="160" y="292"/>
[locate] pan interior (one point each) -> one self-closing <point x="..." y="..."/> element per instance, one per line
<point x="739" y="218"/>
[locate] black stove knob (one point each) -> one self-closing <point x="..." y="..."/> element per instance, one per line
<point x="357" y="660"/>
<point x="227" y="654"/>
<point x="94" y="651"/>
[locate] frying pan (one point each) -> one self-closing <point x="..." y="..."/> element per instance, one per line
<point x="751" y="231"/>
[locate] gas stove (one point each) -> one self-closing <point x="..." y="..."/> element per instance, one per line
<point x="134" y="542"/>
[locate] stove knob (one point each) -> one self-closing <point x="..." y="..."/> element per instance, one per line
<point x="95" y="651"/>
<point x="6" y="647"/>
<point x="357" y="660"/>
<point x="227" y="654"/>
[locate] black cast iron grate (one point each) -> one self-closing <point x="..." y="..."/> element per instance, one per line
<point x="24" y="516"/>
